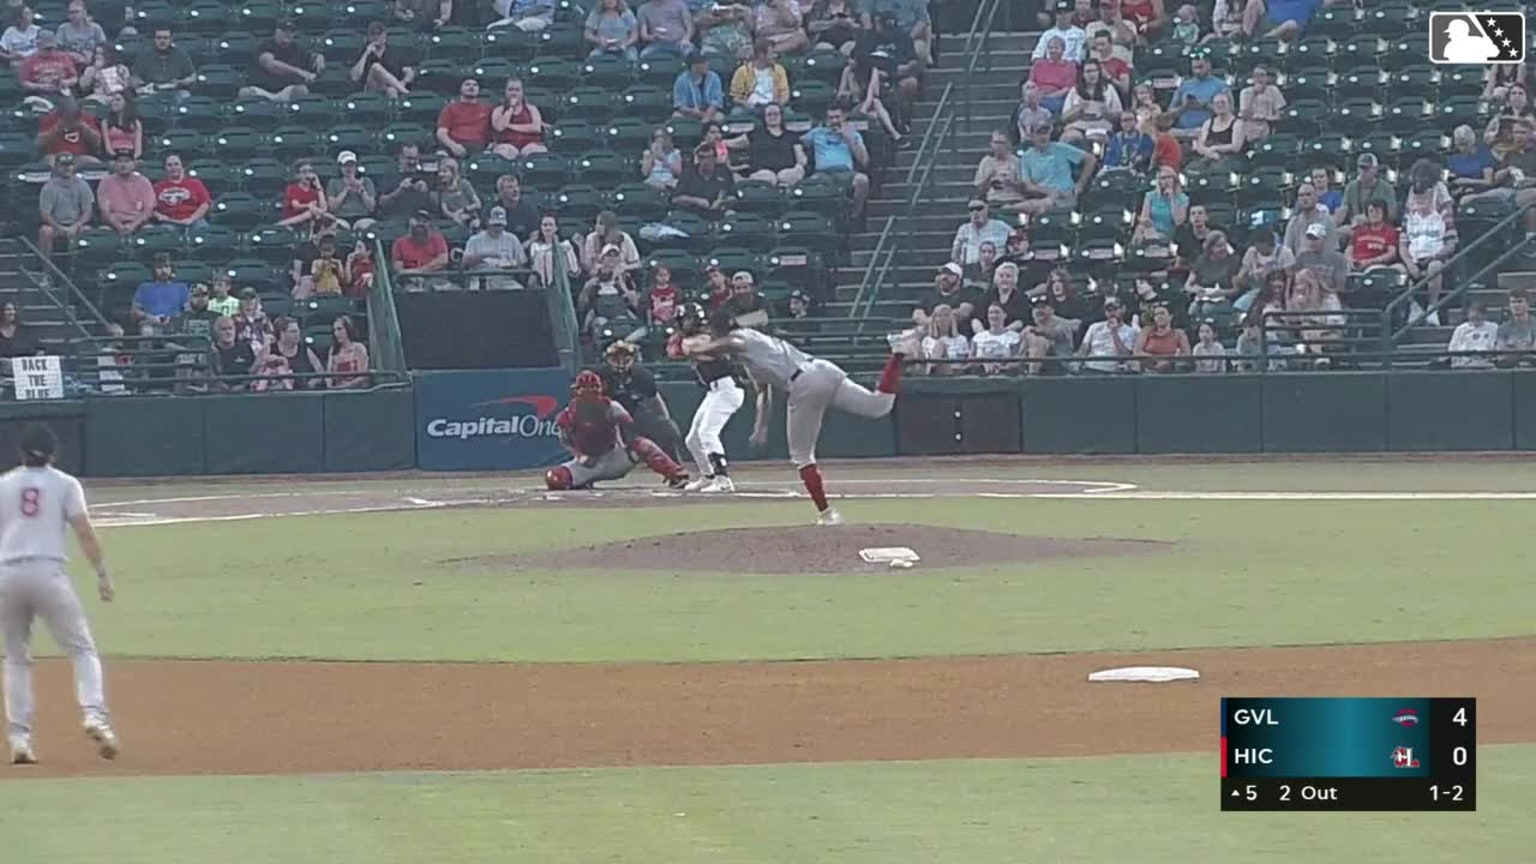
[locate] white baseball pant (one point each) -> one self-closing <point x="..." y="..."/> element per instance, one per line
<point x="41" y="589"/>
<point x="613" y="465"/>
<point x="819" y="385"/>
<point x="720" y="404"/>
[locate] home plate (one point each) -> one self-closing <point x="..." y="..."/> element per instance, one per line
<point x="889" y="555"/>
<point x="1153" y="674"/>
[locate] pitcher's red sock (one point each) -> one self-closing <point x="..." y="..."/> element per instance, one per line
<point x="810" y="475"/>
<point x="890" y="376"/>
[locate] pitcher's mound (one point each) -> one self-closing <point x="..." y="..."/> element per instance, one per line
<point x="813" y="549"/>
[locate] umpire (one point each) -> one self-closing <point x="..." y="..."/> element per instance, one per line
<point x="628" y="383"/>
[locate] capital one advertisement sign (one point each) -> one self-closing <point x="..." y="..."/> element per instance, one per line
<point x="489" y="420"/>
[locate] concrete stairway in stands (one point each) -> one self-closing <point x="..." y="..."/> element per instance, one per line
<point x="925" y="235"/>
<point x="1518" y="272"/>
<point x="39" y="313"/>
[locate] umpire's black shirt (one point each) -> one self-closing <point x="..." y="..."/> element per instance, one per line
<point x="631" y="388"/>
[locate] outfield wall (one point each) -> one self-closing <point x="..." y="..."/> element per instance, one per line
<point x="504" y="421"/>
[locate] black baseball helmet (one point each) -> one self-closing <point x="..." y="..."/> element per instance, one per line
<point x="692" y="319"/>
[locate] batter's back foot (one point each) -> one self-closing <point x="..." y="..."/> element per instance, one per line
<point x="22" y="752"/>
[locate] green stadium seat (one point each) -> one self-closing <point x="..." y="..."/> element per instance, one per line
<point x="627" y="135"/>
<point x="492" y="73"/>
<point x="422" y="108"/>
<point x="294" y="142"/>
<point x="545" y="170"/>
<point x="731" y="259"/>
<point x="366" y="109"/>
<point x="1458" y="81"/>
<point x="440" y="76"/>
<point x="697" y="235"/>
<point x="265" y="177"/>
<point x="810" y="229"/>
<point x="380" y="168"/>
<point x="1422" y="80"/>
<point x="254" y="273"/>
<point x="1305" y="117"/>
<point x="238" y="49"/>
<point x="218" y="176"/>
<point x="1452" y="111"/>
<point x="206" y="18"/>
<point x="639" y="202"/>
<point x="754" y="232"/>
<point x="483" y="169"/>
<point x="511" y="44"/>
<point x="188" y="143"/>
<point x="259" y="114"/>
<point x="605" y="168"/>
<point x="1358" y="84"/>
<point x="313" y="17"/>
<point x="195" y="270"/>
<point x="1334" y="22"/>
<point x="342" y="45"/>
<point x="273" y="245"/>
<point x="1209" y="187"/>
<point x="201" y="49"/>
<point x="260" y="16"/>
<point x="591" y="104"/>
<point x="648" y="103"/>
<point x="396" y="135"/>
<point x="572" y="137"/>
<point x="554" y="74"/>
<point x="1406" y="50"/>
<point x="1356" y="116"/>
<point x="313" y="111"/>
<point x="202" y="113"/>
<point x="821" y="194"/>
<point x="156" y="112"/>
<point x="824" y="66"/>
<point x="812" y="96"/>
<point x="561" y="41"/>
<point x="1279" y="149"/>
<point x="760" y="199"/>
<point x="684" y="266"/>
<point x="579" y="204"/>
<point x="1425" y="143"/>
<point x="122" y="275"/>
<point x="349" y="137"/>
<point x="214" y="243"/>
<point x="1383" y="144"/>
<point x="607" y="72"/>
<point x="659" y="72"/>
<point x="360" y="13"/>
<point x="322" y="310"/>
<point x="149" y="14"/>
<point x="1328" y="146"/>
<point x="97" y="247"/>
<point x="1265" y="188"/>
<point x="220" y="82"/>
<point x="796" y="265"/>
<point x="156" y="239"/>
<point x="1406" y="115"/>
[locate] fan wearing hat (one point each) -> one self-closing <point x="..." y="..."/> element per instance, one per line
<point x="48" y="72"/>
<point x="495" y="248"/>
<point x="284" y="68"/>
<point x="1367" y="186"/>
<point x="351" y="196"/>
<point x="949" y="290"/>
<point x="697" y="93"/>
<point x="162" y="297"/>
<point x="1074" y="38"/>
<point x="627" y="382"/>
<point x="125" y="197"/>
<point x="978" y="229"/>
<point x="422" y="249"/>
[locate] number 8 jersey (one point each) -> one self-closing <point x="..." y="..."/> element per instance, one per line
<point x="36" y="505"/>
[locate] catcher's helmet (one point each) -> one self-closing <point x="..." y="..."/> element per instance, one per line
<point x="621" y="354"/>
<point x="588" y="384"/>
<point x="692" y="318"/>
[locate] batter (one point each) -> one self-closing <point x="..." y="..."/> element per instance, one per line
<point x="37" y="503"/>
<point x="811" y="385"/>
<point x="723" y="397"/>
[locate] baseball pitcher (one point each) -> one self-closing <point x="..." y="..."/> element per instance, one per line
<point x="811" y="385"/>
<point x="592" y="427"/>
<point x="723" y="397"/>
<point x="37" y="503"/>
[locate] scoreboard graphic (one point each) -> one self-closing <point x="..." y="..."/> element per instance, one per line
<point x="1348" y="754"/>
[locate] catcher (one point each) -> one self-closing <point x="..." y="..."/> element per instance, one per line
<point x="634" y="387"/>
<point x="592" y="427"/>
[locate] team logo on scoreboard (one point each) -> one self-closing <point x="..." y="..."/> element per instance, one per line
<point x="1402" y="757"/>
<point x="1407" y="718"/>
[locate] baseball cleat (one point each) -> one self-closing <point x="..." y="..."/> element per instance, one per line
<point x="22" y="753"/>
<point x="907" y="342"/>
<point x="698" y="484"/>
<point x="678" y="481"/>
<point x="721" y="484"/>
<point x="106" y="741"/>
<point x="829" y="517"/>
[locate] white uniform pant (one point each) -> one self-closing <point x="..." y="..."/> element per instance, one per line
<point x="821" y="384"/>
<point x="720" y="404"/>
<point x="613" y="465"/>
<point x="41" y="589"/>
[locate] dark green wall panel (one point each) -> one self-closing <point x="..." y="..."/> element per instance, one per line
<point x="1525" y="411"/>
<point x="1198" y="414"/>
<point x="925" y="424"/>
<point x="1336" y="412"/>
<point x="274" y="433"/>
<point x="143" y="437"/>
<point x="1429" y="411"/>
<point x="370" y="431"/>
<point x="1079" y="415"/>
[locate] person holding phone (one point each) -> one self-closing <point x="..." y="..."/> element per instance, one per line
<point x="378" y="70"/>
<point x="304" y="202"/>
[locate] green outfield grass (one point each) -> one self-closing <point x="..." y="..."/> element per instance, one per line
<point x="1146" y="810"/>
<point x="1243" y="573"/>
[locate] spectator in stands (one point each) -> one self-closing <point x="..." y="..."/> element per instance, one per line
<point x="890" y="51"/>
<point x="1113" y="338"/>
<point x="106" y="76"/>
<point x="1367" y="186"/>
<point x="697" y="92"/>
<point x="79" y="36"/>
<point x="773" y="155"/>
<point x="663" y="298"/>
<point x="1006" y="293"/>
<point x="464" y="125"/>
<point x="164" y="66"/>
<point x="781" y="23"/>
<point x="1028" y="115"/>
<point x="1129" y="148"/>
<point x="1315" y="313"/>
<point x="284" y="68"/>
<point x="1148" y="112"/>
<point x="1426" y="181"/>
<point x="1210" y="354"/>
<point x="304" y="200"/>
<point x="609" y="299"/>
<point x="1260" y="105"/>
<point x="1501" y="77"/>
<point x="1190" y="239"/>
<point x="713" y="137"/>
<point x="1471" y="165"/>
<point x="1265" y="255"/>
<point x="944" y="342"/>
<point x="1223" y="136"/>
<point x="859" y="87"/>
<point x="223" y="301"/>
<point x="1327" y="196"/>
<point x="543" y="247"/>
<point x="517" y="126"/>
<point x="1374" y="243"/>
<point x="911" y="16"/>
<point x="1212" y="277"/>
<point x="1325" y="261"/>
<point x="1186" y="26"/>
<point x="759" y="81"/>
<point x="606" y="232"/>
<point x="529" y="16"/>
<point x="948" y="290"/>
<point x="1518" y="332"/>
<point x="662" y="163"/>
<point x="1226" y="21"/>
<point x="986" y="264"/>
<point x="1090" y="105"/>
<point x="16" y="340"/>
<point x="997" y="175"/>
<point x="326" y="273"/>
<point x="64" y="205"/>
<point x="1164" y="208"/>
<point x="707" y="187"/>
<point x="1050" y="335"/>
<point x="1476" y="333"/>
<point x="1074" y="39"/>
<point x="494" y="248"/>
<point x="1054" y="75"/>
<point x="724" y="30"/>
<point x="455" y="199"/>
<point x="412" y="195"/>
<point x="717" y="286"/>
<point x="297" y="356"/>
<point x="347" y="361"/>
<point x="980" y="228"/>
<point x="1116" y="71"/>
<point x="125" y="197"/>
<point x="1112" y="23"/>
<point x="1515" y="107"/>
<point x="351" y="197"/>
<point x="67" y="129"/>
<point x="996" y="344"/>
<point x="1196" y="95"/>
<point x="232" y="359"/>
<point x="1048" y="170"/>
<point x="664" y="27"/>
<point x="1518" y="171"/>
<point x="251" y="322"/>
<point x="1307" y="213"/>
<point x="744" y="301"/>
<point x="49" y="73"/>
<point x="380" y="71"/>
<point x="1161" y="340"/>
<point x="1149" y="17"/>
<point x="163" y="297"/>
<point x="1063" y="295"/>
<point x="19" y="41"/>
<point x="1424" y="246"/>
<point x="421" y="250"/>
<point x="122" y="130"/>
<point x="197" y="319"/>
<point x="360" y="270"/>
<point x="834" y="25"/>
<point x="613" y="31"/>
<point x="1279" y="19"/>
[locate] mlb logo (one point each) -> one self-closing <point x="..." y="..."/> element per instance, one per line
<point x="1477" y="38"/>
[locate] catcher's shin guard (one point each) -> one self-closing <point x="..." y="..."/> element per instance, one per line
<point x="558" y="478"/>
<point x="657" y="459"/>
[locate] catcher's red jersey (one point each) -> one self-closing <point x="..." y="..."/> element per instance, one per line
<point x="591" y="426"/>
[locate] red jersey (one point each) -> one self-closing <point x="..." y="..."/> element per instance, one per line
<point x="663" y="303"/>
<point x="1372" y="241"/>
<point x="297" y="198"/>
<point x="1114" y="67"/>
<point x="413" y="255"/>
<point x="73" y="141"/>
<point x="1166" y="151"/>
<point x="591" y="426"/>
<point x="468" y="123"/>
<point x="179" y="199"/>
<point x="50" y="69"/>
<point x="521" y="117"/>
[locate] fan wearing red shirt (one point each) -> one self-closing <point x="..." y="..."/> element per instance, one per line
<point x="49" y="71"/>
<point x="663" y="298"/>
<point x="179" y="199"/>
<point x="423" y="248"/>
<point x="67" y="130"/>
<point x="304" y="199"/>
<point x="465" y="123"/>
<point x="1373" y="244"/>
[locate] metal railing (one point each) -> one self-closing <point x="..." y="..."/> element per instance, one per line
<point x="561" y="302"/>
<point x="181" y="365"/>
<point x="57" y="277"/>
<point x="981" y="29"/>
<point x="386" y="344"/>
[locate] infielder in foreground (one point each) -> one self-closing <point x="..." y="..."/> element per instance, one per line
<point x="37" y="502"/>
<point x="723" y="397"/>
<point x="593" y="428"/>
<point x="811" y="385"/>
